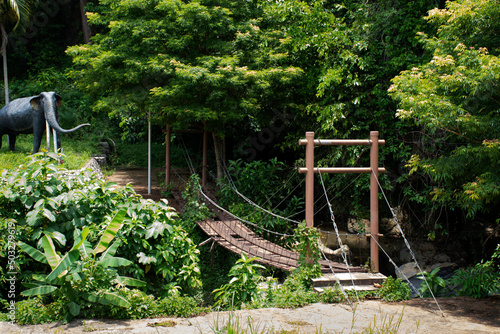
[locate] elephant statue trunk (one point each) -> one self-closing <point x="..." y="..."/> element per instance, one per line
<point x="31" y="115"/>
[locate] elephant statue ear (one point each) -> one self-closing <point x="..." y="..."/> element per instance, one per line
<point x="36" y="102"/>
<point x="58" y="99"/>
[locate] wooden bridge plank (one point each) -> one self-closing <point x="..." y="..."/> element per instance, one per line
<point x="238" y="238"/>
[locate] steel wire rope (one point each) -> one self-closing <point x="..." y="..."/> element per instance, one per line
<point x="226" y="171"/>
<point x="344" y="256"/>
<point x="255" y="204"/>
<point x="405" y="277"/>
<point x="235" y="189"/>
<point x="189" y="162"/>
<point x="407" y="243"/>
<point x="399" y="270"/>
<point x="337" y="280"/>
<point x="291" y="192"/>
<point x="282" y="186"/>
<point x="187" y="157"/>
<point x="241" y="219"/>
<point x="338" y="194"/>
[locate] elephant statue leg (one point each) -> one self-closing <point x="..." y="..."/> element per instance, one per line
<point x="57" y="141"/>
<point x="37" y="137"/>
<point x="12" y="141"/>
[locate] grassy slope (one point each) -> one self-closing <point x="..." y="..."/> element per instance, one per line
<point x="77" y="152"/>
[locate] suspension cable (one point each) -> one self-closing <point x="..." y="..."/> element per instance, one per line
<point x="406" y="242"/>
<point x="255" y="204"/>
<point x="338" y="280"/>
<point x="283" y="186"/>
<point x="344" y="256"/>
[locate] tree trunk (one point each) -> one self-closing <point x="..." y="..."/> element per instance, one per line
<point x="85" y="23"/>
<point x="4" y="56"/>
<point x="220" y="154"/>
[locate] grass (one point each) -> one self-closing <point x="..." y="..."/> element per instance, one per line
<point x="76" y="150"/>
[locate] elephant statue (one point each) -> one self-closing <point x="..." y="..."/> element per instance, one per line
<point x="32" y="115"/>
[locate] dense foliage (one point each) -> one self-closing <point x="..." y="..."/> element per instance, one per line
<point x="44" y="203"/>
<point x="258" y="74"/>
<point x="455" y="99"/>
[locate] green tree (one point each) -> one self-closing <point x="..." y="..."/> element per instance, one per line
<point x="349" y="51"/>
<point x="185" y="62"/>
<point x="14" y="16"/>
<point x="455" y="99"/>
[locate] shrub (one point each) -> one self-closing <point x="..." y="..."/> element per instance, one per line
<point x="41" y="200"/>
<point x="394" y="290"/>
<point x="244" y="285"/>
<point x="479" y="281"/>
<point x="33" y="311"/>
<point x="79" y="278"/>
<point x="179" y="306"/>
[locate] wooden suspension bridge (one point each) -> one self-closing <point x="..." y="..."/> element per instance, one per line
<point x="236" y="237"/>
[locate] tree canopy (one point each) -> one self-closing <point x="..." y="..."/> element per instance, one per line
<point x="185" y="61"/>
<point x="455" y="98"/>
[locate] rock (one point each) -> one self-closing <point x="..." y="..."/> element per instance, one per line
<point x="441" y="257"/>
<point x="361" y="226"/>
<point x="95" y="166"/>
<point x="407" y="270"/>
<point x="100" y="159"/>
<point x="424" y="251"/>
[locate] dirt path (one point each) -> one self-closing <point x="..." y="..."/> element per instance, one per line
<point x="138" y="178"/>
<point x="461" y="316"/>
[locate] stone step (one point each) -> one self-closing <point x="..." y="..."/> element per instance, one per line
<point x="346" y="279"/>
<point x="349" y="287"/>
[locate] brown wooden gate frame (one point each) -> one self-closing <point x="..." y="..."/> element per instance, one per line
<point x="374" y="170"/>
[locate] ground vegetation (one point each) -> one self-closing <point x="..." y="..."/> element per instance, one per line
<point x="258" y="74"/>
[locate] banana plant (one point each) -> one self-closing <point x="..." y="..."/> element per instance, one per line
<point x="83" y="275"/>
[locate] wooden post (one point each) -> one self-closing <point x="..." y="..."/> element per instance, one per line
<point x="310" y="179"/>
<point x="204" y="170"/>
<point x="374" y="170"/>
<point x="374" y="201"/>
<point x="167" y="155"/>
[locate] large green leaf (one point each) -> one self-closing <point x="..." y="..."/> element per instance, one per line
<point x="50" y="252"/>
<point x="110" y="232"/>
<point x="111" y="249"/>
<point x="85" y="248"/>
<point x="114" y="299"/>
<point x="83" y="237"/>
<point x="33" y="252"/>
<point x="114" y="262"/>
<point x="64" y="264"/>
<point x="40" y="290"/>
<point x="131" y="281"/>
<point x="74" y="308"/>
